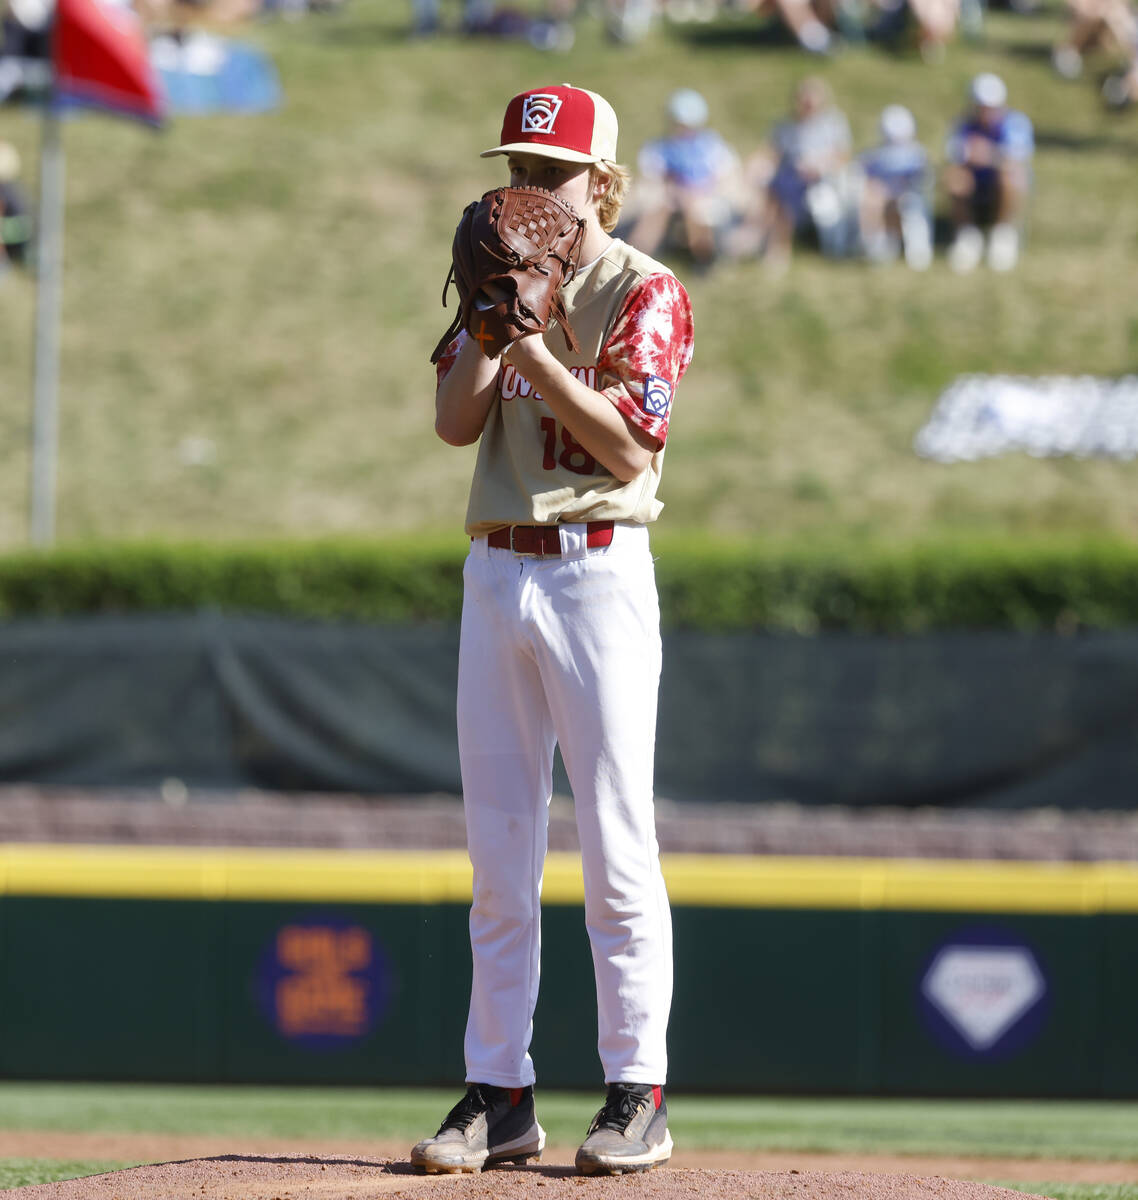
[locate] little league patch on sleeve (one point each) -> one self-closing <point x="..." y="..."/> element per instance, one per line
<point x="657" y="396"/>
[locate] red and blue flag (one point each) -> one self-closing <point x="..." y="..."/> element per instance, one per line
<point x="101" y="60"/>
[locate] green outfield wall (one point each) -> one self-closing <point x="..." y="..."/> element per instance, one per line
<point x="800" y="975"/>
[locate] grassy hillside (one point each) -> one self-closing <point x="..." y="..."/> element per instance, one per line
<point x="272" y="285"/>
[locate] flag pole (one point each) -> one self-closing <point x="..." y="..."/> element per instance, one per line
<point x="49" y="291"/>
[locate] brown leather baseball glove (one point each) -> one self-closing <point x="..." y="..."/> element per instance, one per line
<point x="512" y="251"/>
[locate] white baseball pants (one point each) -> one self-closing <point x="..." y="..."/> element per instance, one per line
<point x="563" y="651"/>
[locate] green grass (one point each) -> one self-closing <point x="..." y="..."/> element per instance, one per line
<point x="24" y="1172"/>
<point x="271" y="284"/>
<point x="1092" y="1131"/>
<point x="1075" y="1191"/>
<point x="1084" y="1130"/>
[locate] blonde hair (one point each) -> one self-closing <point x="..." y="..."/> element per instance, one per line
<point x="610" y="204"/>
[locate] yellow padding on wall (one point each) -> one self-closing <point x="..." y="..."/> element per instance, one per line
<point x="723" y="881"/>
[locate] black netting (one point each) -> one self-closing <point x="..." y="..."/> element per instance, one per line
<point x="1001" y="720"/>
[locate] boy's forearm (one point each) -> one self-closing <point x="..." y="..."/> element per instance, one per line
<point x="590" y="417"/>
<point x="464" y="396"/>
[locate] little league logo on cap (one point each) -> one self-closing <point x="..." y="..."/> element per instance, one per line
<point x="563" y="122"/>
<point x="539" y="113"/>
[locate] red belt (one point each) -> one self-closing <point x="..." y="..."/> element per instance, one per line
<point x="544" y="541"/>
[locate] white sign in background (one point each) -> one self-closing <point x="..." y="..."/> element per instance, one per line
<point x="982" y="991"/>
<point x="980" y="416"/>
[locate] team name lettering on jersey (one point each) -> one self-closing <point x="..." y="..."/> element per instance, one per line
<point x="515" y="384"/>
<point x="633" y="319"/>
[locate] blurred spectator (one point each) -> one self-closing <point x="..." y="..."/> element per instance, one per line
<point x="180" y="18"/>
<point x="801" y="180"/>
<point x="811" y="21"/>
<point x="1121" y="90"/>
<point x="691" y="10"/>
<point x="933" y="22"/>
<point x="894" y="212"/>
<point x="15" y="220"/>
<point x="24" y="47"/>
<point x="551" y="31"/>
<point x="425" y="14"/>
<point x="628" y="21"/>
<point x="1094" y="24"/>
<point x="687" y="176"/>
<point x="988" y="178"/>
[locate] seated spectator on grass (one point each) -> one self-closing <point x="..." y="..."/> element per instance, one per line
<point x="1121" y="89"/>
<point x="426" y="16"/>
<point x="935" y="22"/>
<point x="627" y="21"/>
<point x="551" y="30"/>
<point x="15" y="220"/>
<point x="685" y="177"/>
<point x="25" y="47"/>
<point x="177" y="18"/>
<point x="559" y="20"/>
<point x="894" y="213"/>
<point x="800" y="180"/>
<point x="811" y="21"/>
<point x="932" y="22"/>
<point x="988" y="178"/>
<point x="685" y="11"/>
<point x="1094" y="25"/>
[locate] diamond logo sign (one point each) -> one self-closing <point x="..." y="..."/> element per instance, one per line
<point x="983" y="992"/>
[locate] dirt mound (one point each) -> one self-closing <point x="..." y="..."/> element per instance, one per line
<point x="296" y="1177"/>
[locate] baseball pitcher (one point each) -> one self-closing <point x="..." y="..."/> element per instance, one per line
<point x="564" y="366"/>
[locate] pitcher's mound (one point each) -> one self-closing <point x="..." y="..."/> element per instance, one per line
<point x="357" y="1177"/>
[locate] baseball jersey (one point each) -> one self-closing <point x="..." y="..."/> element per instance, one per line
<point x="633" y="320"/>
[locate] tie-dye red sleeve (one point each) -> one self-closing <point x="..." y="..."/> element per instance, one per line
<point x="443" y="366"/>
<point x="647" y="352"/>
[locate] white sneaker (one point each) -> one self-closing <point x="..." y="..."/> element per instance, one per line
<point x="489" y="1125"/>
<point x="1116" y="91"/>
<point x="1067" y="62"/>
<point x="629" y="1134"/>
<point x="1003" y="247"/>
<point x="814" y="37"/>
<point x="967" y="250"/>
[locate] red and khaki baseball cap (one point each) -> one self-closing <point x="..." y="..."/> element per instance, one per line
<point x="562" y="122"/>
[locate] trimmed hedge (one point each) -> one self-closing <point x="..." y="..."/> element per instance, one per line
<point x="704" y="584"/>
<point x="978" y="584"/>
<point x="397" y="580"/>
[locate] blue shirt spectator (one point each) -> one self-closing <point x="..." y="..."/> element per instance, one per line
<point x="690" y="158"/>
<point x="900" y="163"/>
<point x="988" y="177"/>
<point x="685" y="178"/>
<point x="894" y="212"/>
<point x="1009" y="133"/>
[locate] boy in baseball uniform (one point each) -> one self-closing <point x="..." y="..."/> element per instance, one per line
<point x="560" y="645"/>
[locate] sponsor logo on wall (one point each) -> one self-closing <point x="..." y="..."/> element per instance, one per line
<point x="322" y="982"/>
<point x="984" y="993"/>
